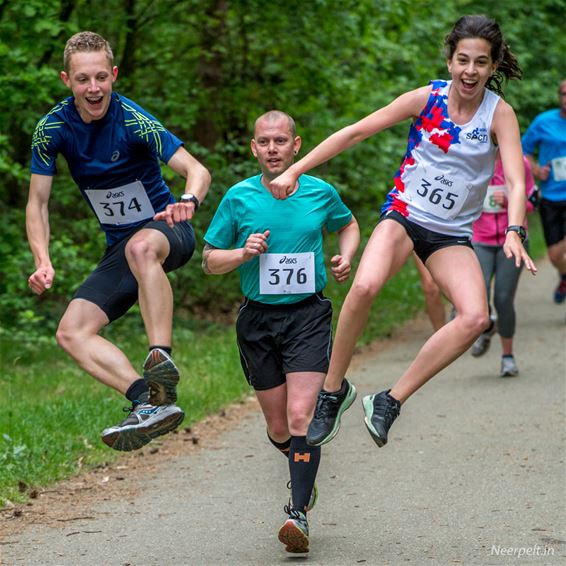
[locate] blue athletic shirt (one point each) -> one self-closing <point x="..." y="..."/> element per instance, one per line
<point x="295" y="223"/>
<point x="547" y="133"/>
<point x="114" y="161"/>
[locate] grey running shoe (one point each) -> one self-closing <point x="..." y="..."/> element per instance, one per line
<point x="144" y="423"/>
<point x="294" y="533"/>
<point x="381" y="410"/>
<point x="508" y="367"/>
<point x="329" y="409"/>
<point x="481" y="345"/>
<point x="313" y="498"/>
<point x="162" y="376"/>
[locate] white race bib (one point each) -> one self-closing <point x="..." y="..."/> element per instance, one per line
<point x="436" y="193"/>
<point x="122" y="205"/>
<point x="286" y="274"/>
<point x="559" y="168"/>
<point x="489" y="204"/>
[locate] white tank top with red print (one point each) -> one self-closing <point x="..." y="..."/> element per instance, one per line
<point x="443" y="179"/>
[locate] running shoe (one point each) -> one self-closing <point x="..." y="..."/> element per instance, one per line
<point x="313" y="498"/>
<point x="560" y="291"/>
<point x="162" y="376"/>
<point x="329" y="409"/>
<point x="481" y="345"/>
<point x="508" y="367"/>
<point x="381" y="410"/>
<point x="294" y="533"/>
<point x="144" y="423"/>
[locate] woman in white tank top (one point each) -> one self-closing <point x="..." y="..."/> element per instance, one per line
<point x="456" y="127"/>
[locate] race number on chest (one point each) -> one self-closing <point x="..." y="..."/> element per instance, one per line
<point x="489" y="204"/>
<point x="283" y="274"/>
<point x="436" y="193"/>
<point x="559" y="168"/>
<point x="121" y="205"/>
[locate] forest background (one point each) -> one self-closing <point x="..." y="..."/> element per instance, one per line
<point x="206" y="69"/>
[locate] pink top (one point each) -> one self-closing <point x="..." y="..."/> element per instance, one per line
<point x="489" y="228"/>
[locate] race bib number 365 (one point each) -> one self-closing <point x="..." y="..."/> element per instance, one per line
<point x="122" y="205"/>
<point x="436" y="193"/>
<point x="282" y="274"/>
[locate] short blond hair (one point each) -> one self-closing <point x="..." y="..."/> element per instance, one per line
<point x="84" y="42"/>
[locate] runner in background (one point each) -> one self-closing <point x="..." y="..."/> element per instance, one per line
<point x="544" y="144"/>
<point x="488" y="239"/>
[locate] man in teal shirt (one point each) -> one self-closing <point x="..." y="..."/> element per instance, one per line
<point x="284" y="326"/>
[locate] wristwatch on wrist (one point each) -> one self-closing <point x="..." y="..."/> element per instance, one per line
<point x="519" y="229"/>
<point x="189" y="197"/>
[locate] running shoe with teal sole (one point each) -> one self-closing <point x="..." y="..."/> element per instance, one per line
<point x="329" y="409"/>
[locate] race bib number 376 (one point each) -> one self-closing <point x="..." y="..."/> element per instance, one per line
<point x="122" y="205"/>
<point x="282" y="274"/>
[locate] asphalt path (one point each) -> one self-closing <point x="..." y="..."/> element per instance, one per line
<point x="474" y="474"/>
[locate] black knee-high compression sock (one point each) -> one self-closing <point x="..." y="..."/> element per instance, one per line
<point x="283" y="447"/>
<point x="303" y="466"/>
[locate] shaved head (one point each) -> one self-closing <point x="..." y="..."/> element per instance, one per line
<point x="274" y="116"/>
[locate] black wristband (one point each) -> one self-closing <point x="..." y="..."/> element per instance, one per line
<point x="189" y="197"/>
<point x="519" y="230"/>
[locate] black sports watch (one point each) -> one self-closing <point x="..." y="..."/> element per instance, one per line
<point x="519" y="229"/>
<point x="189" y="197"/>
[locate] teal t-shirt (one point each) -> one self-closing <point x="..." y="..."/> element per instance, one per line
<point x="296" y="226"/>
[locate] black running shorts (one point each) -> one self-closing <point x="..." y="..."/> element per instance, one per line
<point x="426" y="242"/>
<point x="113" y="287"/>
<point x="275" y="340"/>
<point x="553" y="218"/>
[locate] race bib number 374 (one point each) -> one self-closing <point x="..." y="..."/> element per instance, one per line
<point x="122" y="205"/>
<point x="282" y="274"/>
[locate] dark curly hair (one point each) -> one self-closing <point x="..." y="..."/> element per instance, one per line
<point x="482" y="27"/>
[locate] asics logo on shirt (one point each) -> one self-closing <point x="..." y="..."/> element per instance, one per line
<point x="115" y="156"/>
<point x="115" y="195"/>
<point x="479" y="134"/>
<point x="444" y="181"/>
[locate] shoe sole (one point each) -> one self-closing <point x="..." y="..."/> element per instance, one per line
<point x="367" y="402"/>
<point x="134" y="438"/>
<point x="293" y="538"/>
<point x="346" y="404"/>
<point x="509" y="374"/>
<point x="162" y="379"/>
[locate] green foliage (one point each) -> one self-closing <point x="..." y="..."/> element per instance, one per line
<point x="207" y="69"/>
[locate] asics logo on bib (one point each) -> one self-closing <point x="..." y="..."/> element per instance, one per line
<point x="443" y="180"/>
<point x="119" y="194"/>
<point x="479" y="134"/>
<point x="288" y="260"/>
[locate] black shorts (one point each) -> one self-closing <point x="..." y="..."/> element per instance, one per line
<point x="426" y="242"/>
<point x="553" y="218"/>
<point x="275" y="340"/>
<point x="113" y="287"/>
